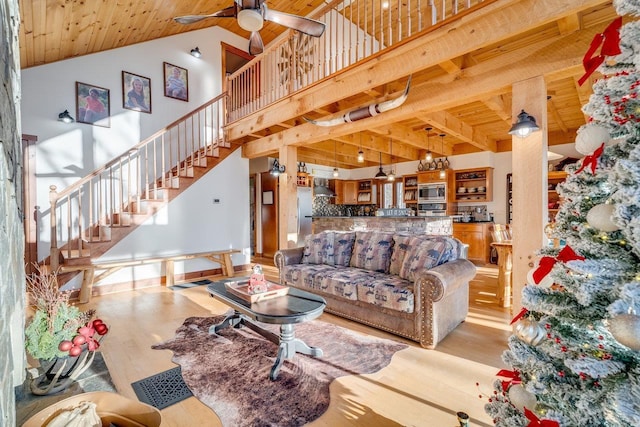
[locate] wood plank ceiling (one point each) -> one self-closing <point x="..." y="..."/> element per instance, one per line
<point x="475" y="116"/>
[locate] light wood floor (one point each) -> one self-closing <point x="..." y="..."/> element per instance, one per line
<point x="419" y="388"/>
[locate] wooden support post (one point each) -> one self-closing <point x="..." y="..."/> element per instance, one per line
<point x="288" y="199"/>
<point x="529" y="165"/>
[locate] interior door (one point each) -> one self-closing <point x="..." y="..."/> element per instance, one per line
<point x="269" y="213"/>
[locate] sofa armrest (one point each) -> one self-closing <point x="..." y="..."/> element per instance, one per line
<point x="444" y="279"/>
<point x="288" y="257"/>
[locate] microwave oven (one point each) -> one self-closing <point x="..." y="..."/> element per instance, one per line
<point x="432" y="193"/>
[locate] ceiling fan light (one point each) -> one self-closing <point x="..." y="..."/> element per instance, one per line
<point x="250" y="20"/>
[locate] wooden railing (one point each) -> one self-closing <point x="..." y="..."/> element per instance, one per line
<point x="355" y="30"/>
<point x="109" y="196"/>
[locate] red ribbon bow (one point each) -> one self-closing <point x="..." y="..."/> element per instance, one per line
<point x="519" y="316"/>
<point x="610" y="41"/>
<point x="546" y="263"/>
<point x="535" y="422"/>
<point x="592" y="160"/>
<point x="514" y="375"/>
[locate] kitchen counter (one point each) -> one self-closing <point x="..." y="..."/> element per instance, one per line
<point x="441" y="225"/>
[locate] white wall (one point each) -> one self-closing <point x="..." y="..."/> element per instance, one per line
<point x="67" y="152"/>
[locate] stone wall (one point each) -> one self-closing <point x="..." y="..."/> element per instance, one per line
<point x="12" y="281"/>
<point x="411" y="224"/>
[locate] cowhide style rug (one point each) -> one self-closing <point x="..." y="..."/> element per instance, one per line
<point x="229" y="372"/>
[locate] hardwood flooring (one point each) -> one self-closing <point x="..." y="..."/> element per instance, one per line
<point x="419" y="388"/>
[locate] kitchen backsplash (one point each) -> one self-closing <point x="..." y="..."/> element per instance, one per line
<point x="323" y="207"/>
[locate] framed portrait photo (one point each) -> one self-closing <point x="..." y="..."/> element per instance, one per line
<point x="136" y="92"/>
<point x="176" y="82"/>
<point x="92" y="105"/>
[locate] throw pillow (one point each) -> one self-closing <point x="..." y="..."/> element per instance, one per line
<point x="424" y="254"/>
<point x="318" y="248"/>
<point x="342" y="247"/>
<point x="400" y="248"/>
<point x="372" y="251"/>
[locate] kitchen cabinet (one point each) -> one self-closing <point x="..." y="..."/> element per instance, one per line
<point x="364" y="192"/>
<point x="425" y="177"/>
<point x="346" y="192"/>
<point x="410" y="190"/>
<point x="474" y="185"/>
<point x="478" y="236"/>
<point x="553" y="198"/>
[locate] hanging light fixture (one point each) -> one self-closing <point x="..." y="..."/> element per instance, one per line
<point x="429" y="156"/>
<point x="443" y="174"/>
<point x="525" y="125"/>
<point x="360" y="152"/>
<point x="381" y="174"/>
<point x="391" y="176"/>
<point x="335" y="161"/>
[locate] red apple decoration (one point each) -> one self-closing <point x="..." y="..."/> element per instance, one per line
<point x="65" y="345"/>
<point x="75" y="351"/>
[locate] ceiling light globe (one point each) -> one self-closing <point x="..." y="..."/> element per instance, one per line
<point x="250" y="20"/>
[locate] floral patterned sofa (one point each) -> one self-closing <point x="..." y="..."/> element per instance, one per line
<point x="412" y="285"/>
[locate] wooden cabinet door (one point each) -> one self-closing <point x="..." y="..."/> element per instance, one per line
<point x="477" y="237"/>
<point x="350" y="192"/>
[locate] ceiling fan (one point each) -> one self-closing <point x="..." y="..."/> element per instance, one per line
<point x="251" y="15"/>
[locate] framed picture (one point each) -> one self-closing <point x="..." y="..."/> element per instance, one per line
<point x="176" y="82"/>
<point x="267" y="197"/>
<point x="136" y="92"/>
<point x="92" y="105"/>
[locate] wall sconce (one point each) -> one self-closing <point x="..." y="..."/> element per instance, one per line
<point x="195" y="52"/>
<point x="525" y="125"/>
<point x="277" y="168"/>
<point x="66" y="117"/>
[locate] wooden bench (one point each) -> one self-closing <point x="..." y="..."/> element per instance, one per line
<point x="89" y="277"/>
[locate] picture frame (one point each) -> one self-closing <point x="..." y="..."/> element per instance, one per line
<point x="136" y="92"/>
<point x="176" y="82"/>
<point x="93" y="105"/>
<point x="267" y="197"/>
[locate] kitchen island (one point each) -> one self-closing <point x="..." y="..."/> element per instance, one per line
<point x="441" y="225"/>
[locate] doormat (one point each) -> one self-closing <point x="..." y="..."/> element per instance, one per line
<point x="190" y="285"/>
<point x="163" y="389"/>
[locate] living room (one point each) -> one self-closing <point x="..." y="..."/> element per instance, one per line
<point x="68" y="152"/>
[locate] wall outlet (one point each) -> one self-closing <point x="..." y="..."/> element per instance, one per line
<point x="216" y="201"/>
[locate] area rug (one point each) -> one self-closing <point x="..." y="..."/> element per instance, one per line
<point x="163" y="389"/>
<point x="229" y="372"/>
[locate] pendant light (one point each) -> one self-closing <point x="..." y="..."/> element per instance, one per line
<point x="443" y="174"/>
<point x="335" y="161"/>
<point x="381" y="174"/>
<point x="391" y="176"/>
<point x="360" y="153"/>
<point x="429" y="156"/>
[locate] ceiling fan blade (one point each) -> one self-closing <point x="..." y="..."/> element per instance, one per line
<point x="255" y="43"/>
<point x="304" y="25"/>
<point x="228" y="12"/>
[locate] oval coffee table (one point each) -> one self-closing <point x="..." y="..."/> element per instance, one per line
<point x="296" y="306"/>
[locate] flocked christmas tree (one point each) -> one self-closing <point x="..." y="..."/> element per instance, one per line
<point x="575" y="354"/>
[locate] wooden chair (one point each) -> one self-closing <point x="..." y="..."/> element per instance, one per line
<point x="501" y="233"/>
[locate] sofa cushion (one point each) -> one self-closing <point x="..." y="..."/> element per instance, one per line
<point x="423" y="254"/>
<point x="343" y="247"/>
<point x="390" y="292"/>
<point x="372" y="251"/>
<point x="307" y="275"/>
<point x="400" y="249"/>
<point x="318" y="248"/>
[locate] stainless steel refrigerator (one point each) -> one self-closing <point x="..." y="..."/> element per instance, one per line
<point x="305" y="209"/>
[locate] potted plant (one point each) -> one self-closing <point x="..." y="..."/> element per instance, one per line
<point x="60" y="335"/>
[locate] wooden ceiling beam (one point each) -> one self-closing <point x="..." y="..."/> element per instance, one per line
<point x="479" y="82"/>
<point x="447" y="123"/>
<point x="488" y="25"/>
<point x="501" y="105"/>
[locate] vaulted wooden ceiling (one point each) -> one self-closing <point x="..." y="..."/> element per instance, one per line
<point x="461" y="85"/>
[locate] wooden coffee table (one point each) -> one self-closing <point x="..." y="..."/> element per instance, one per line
<point x="296" y="307"/>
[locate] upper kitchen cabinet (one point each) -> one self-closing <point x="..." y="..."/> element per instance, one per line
<point x="474" y="185"/>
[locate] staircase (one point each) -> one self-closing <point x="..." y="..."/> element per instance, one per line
<point x="95" y="213"/>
